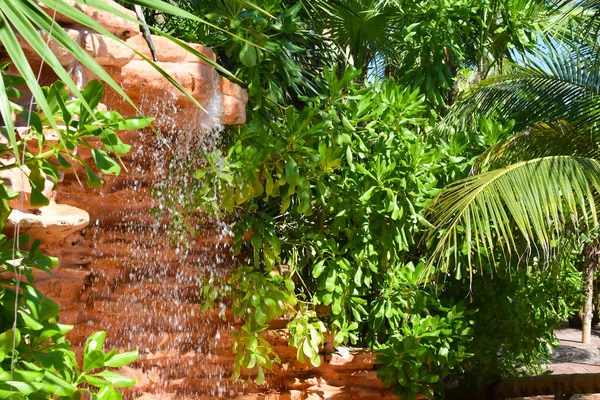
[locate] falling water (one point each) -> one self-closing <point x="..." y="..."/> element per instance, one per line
<point x="144" y="288"/>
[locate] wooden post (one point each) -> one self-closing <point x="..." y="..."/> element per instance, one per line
<point x="590" y="252"/>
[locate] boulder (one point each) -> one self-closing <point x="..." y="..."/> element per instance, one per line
<point x="17" y="180"/>
<point x="51" y="224"/>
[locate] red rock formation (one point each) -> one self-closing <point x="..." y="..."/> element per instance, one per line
<point x="122" y="274"/>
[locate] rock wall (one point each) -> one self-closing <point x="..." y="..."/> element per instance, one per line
<point x="118" y="269"/>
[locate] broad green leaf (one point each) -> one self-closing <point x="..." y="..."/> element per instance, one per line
<point x="94" y="342"/>
<point x="7" y="339"/>
<point x="93" y="180"/>
<point x="113" y="143"/>
<point x="248" y="55"/>
<point x="109" y="393"/>
<point x="30" y="322"/>
<point x="92" y="360"/>
<point x="92" y="93"/>
<point x="318" y="268"/>
<point x="116" y="379"/>
<point x="104" y="163"/>
<point x="128" y="124"/>
<point x="27" y="376"/>
<point x="94" y="380"/>
<point x="38" y="182"/>
<point x="121" y="359"/>
<point x="25" y="388"/>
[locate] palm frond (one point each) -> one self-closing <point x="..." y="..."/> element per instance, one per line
<point x="540" y="140"/>
<point x="518" y="210"/>
<point x="562" y="84"/>
<point x="583" y="14"/>
<point x="29" y="20"/>
<point x="360" y="26"/>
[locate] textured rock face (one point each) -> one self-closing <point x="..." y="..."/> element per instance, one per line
<point x="120" y="272"/>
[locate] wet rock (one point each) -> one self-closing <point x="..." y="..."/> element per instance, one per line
<point x="106" y="51"/>
<point x="169" y="51"/>
<point x="17" y="180"/>
<point x="234" y="103"/>
<point x="121" y="27"/>
<point x="51" y="224"/>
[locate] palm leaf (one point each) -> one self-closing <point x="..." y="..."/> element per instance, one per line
<point x="562" y="84"/>
<point x="518" y="209"/>
<point x="29" y="19"/>
<point x="540" y="140"/>
<point x="6" y="114"/>
<point x="13" y="48"/>
<point x="583" y="14"/>
<point x="361" y="26"/>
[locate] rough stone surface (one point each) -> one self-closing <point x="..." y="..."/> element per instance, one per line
<point x="17" y="180"/>
<point x="64" y="57"/>
<point x="107" y="52"/>
<point x="51" y="224"/>
<point x="234" y="103"/>
<point x="221" y="102"/>
<point x="118" y="26"/>
<point x="169" y="51"/>
<point x="119" y="270"/>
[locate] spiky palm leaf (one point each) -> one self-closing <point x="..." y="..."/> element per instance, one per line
<point x="539" y="140"/>
<point x="559" y="84"/>
<point x="28" y="19"/>
<point x="362" y="27"/>
<point x="549" y="179"/>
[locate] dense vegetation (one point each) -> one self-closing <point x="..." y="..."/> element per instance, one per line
<point x="378" y="197"/>
<point x="336" y="182"/>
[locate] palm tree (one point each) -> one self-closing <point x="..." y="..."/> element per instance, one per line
<point x="525" y="192"/>
<point x="424" y="44"/>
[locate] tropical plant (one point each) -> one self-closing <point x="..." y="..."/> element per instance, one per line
<point x="34" y="22"/>
<point x="424" y="44"/>
<point x="271" y="48"/>
<point x="531" y="188"/>
<point x="36" y="360"/>
<point x="327" y="188"/>
<point x="304" y="187"/>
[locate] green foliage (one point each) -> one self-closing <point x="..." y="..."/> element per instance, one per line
<point x="36" y="360"/>
<point x="28" y="19"/>
<point x="556" y="82"/>
<point x="266" y="44"/>
<point x="77" y="126"/>
<point x="418" y="358"/>
<point x="335" y="193"/>
<point x="513" y="328"/>
<point x="329" y="186"/>
<point x="424" y="43"/>
<point x="266" y="297"/>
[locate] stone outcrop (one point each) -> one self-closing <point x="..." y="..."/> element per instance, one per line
<point x="220" y="101"/>
<point x="119" y="270"/>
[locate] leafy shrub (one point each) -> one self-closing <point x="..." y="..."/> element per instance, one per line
<point x="335" y="193"/>
<point x="513" y="328"/>
<point x="328" y="186"/>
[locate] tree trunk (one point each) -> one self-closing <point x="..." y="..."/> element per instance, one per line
<point x="591" y="252"/>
